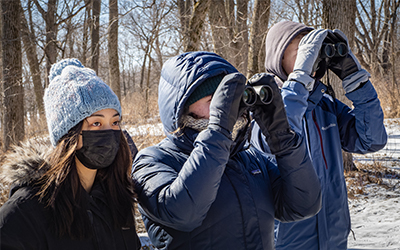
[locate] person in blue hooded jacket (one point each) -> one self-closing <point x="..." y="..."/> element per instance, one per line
<point x="202" y="187"/>
<point x="292" y="54"/>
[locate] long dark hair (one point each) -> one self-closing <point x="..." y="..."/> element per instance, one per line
<point x="63" y="194"/>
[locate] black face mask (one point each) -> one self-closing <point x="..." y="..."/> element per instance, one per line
<point x="99" y="148"/>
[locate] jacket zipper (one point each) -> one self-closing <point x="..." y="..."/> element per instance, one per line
<point x="320" y="137"/>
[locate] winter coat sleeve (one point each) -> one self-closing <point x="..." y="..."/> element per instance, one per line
<point x="297" y="191"/>
<point x="177" y="190"/>
<point x="296" y="187"/>
<point x="294" y="96"/>
<point x="362" y="129"/>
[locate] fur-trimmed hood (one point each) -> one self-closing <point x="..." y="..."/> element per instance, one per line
<point x="23" y="164"/>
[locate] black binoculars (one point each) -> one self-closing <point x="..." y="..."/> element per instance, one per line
<point x="329" y="50"/>
<point x="257" y="95"/>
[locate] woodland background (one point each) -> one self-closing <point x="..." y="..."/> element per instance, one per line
<point x="127" y="42"/>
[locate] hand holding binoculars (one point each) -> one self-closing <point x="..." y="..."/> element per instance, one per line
<point x="329" y="50"/>
<point x="258" y="90"/>
<point x="333" y="47"/>
<point x="257" y="95"/>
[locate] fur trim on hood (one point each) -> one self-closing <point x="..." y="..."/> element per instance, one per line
<point x="22" y="164"/>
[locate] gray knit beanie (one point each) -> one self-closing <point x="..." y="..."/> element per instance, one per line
<point x="74" y="93"/>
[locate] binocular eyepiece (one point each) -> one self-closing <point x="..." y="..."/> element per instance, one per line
<point x="329" y="50"/>
<point x="257" y="95"/>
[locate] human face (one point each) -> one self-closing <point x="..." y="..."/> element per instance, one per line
<point x="101" y="120"/>
<point x="201" y="108"/>
<point x="290" y="54"/>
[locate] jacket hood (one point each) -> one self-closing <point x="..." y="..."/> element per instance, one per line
<point x="180" y="76"/>
<point x="22" y="165"/>
<point x="278" y="38"/>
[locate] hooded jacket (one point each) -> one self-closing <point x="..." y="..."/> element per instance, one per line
<point x="25" y="223"/>
<point x="200" y="190"/>
<point x="329" y="126"/>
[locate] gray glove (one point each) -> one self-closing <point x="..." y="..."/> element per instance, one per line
<point x="307" y="56"/>
<point x="347" y="68"/>
<point x="224" y="106"/>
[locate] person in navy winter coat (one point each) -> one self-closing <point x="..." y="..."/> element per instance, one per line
<point x="292" y="51"/>
<point x="202" y="187"/>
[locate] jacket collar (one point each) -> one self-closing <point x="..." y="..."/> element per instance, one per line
<point x="316" y="95"/>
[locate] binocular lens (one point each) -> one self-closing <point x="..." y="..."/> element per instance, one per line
<point x="260" y="95"/>
<point x="329" y="50"/>
<point x="341" y="49"/>
<point x="249" y="96"/>
<point x="265" y="93"/>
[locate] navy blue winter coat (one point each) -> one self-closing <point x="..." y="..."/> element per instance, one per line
<point x="203" y="191"/>
<point x="329" y="126"/>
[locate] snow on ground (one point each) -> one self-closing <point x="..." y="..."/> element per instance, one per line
<point x="147" y="129"/>
<point x="375" y="214"/>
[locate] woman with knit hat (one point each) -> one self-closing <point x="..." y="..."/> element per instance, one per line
<point x="79" y="194"/>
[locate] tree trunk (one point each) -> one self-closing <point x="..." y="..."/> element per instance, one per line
<point x="346" y="23"/>
<point x="258" y="31"/>
<point x="191" y="41"/>
<point x="50" y="48"/>
<point x="219" y="28"/>
<point x="395" y="85"/>
<point x="147" y="91"/>
<point x="29" y="40"/>
<point x="95" y="36"/>
<point x="85" y="35"/>
<point x="113" y="60"/>
<point x="185" y="10"/>
<point x="13" y="102"/>
<point x="241" y="39"/>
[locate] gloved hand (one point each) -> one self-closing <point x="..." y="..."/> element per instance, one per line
<point x="224" y="106"/>
<point x="307" y="56"/>
<point x="347" y="68"/>
<point x="272" y="117"/>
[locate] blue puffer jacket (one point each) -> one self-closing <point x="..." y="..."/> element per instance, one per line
<point x="330" y="126"/>
<point x="203" y="191"/>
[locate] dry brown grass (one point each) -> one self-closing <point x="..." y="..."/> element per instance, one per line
<point x="367" y="174"/>
<point x="388" y="96"/>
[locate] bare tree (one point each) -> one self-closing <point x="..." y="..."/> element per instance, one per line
<point x="191" y="40"/>
<point x="29" y="41"/>
<point x="241" y="35"/>
<point x="395" y="53"/>
<point x="221" y="33"/>
<point x="346" y="23"/>
<point x="49" y="17"/>
<point x="13" y="94"/>
<point x="146" y="26"/>
<point x="228" y="21"/>
<point x="95" y="34"/>
<point x="373" y="35"/>
<point x="85" y="32"/>
<point x="113" y="59"/>
<point x="258" y="29"/>
<point x="185" y="10"/>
